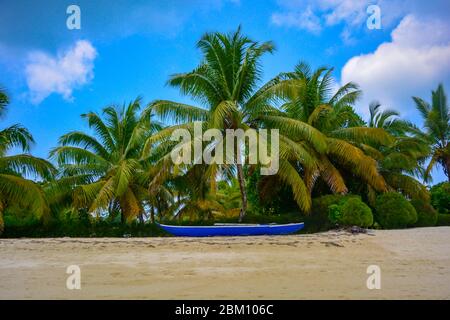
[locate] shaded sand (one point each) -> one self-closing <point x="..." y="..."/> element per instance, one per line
<point x="414" y="263"/>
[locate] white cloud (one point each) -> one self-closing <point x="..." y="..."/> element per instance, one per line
<point x="352" y="14"/>
<point x="61" y="74"/>
<point x="412" y="64"/>
<point x="315" y="15"/>
<point x="303" y="20"/>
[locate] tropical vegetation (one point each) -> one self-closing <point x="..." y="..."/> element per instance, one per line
<point x="335" y="168"/>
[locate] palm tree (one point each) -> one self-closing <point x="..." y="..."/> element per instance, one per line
<point x="309" y="99"/>
<point x="389" y="120"/>
<point x="225" y="84"/>
<point x="437" y="129"/>
<point x="15" y="188"/>
<point x="107" y="170"/>
<point x="401" y="161"/>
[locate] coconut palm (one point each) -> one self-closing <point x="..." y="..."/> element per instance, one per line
<point x="15" y="170"/>
<point x="389" y="120"/>
<point x="401" y="161"/>
<point x="436" y="118"/>
<point x="309" y="97"/>
<point x="225" y="84"/>
<point x="107" y="169"/>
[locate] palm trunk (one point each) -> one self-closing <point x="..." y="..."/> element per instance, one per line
<point x="141" y="218"/>
<point x="152" y="214"/>
<point x="447" y="168"/>
<point x="243" y="192"/>
<point x="2" y="224"/>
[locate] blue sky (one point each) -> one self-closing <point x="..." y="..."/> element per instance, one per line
<point x="129" y="48"/>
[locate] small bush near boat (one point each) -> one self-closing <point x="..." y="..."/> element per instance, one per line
<point x="443" y="220"/>
<point x="393" y="211"/>
<point x="356" y="213"/>
<point x="440" y="197"/>
<point x="426" y="215"/>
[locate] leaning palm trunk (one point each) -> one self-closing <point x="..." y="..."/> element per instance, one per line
<point x="447" y="168"/>
<point x="243" y="192"/>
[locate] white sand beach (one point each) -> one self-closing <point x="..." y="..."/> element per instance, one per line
<point x="415" y="264"/>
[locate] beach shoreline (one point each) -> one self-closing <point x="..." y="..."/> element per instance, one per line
<point x="414" y="264"/>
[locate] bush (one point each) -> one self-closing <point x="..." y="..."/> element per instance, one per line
<point x="318" y="219"/>
<point x="443" y="220"/>
<point x="326" y="211"/>
<point x="335" y="213"/>
<point x="393" y="211"/>
<point x="356" y="213"/>
<point x="440" y="197"/>
<point x="426" y="215"/>
<point x="33" y="228"/>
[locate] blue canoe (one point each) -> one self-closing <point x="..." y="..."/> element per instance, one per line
<point x="232" y="230"/>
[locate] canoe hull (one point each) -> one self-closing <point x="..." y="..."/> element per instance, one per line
<point x="232" y="230"/>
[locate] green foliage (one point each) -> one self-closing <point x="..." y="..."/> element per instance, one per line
<point x="110" y="170"/>
<point x="35" y="228"/>
<point x="356" y="213"/>
<point x="440" y="197"/>
<point x="123" y="171"/>
<point x="267" y="195"/>
<point x="335" y="213"/>
<point x="321" y="216"/>
<point x="393" y="211"/>
<point x="443" y="220"/>
<point x="436" y="116"/>
<point x="15" y="170"/>
<point x="349" y="211"/>
<point x="427" y="215"/>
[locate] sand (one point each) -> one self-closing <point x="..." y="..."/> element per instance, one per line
<point x="414" y="264"/>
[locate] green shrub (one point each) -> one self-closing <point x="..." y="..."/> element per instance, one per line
<point x="393" y="211"/>
<point x="443" y="220"/>
<point x="335" y="213"/>
<point x="426" y="215"/>
<point x="440" y="197"/>
<point x="15" y="228"/>
<point x="326" y="211"/>
<point x="318" y="219"/>
<point x="356" y="213"/>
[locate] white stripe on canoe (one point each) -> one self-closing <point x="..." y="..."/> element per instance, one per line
<point x="234" y="226"/>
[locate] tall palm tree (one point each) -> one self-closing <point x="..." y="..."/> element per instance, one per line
<point x="15" y="188"/>
<point x="437" y="129"/>
<point x="402" y="160"/>
<point x="309" y="97"/>
<point x="225" y="84"/>
<point x="107" y="170"/>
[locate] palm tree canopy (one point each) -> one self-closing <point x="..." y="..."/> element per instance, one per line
<point x="437" y="129"/>
<point x="311" y="98"/>
<point x="108" y="168"/>
<point x="225" y="83"/>
<point x="16" y="170"/>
